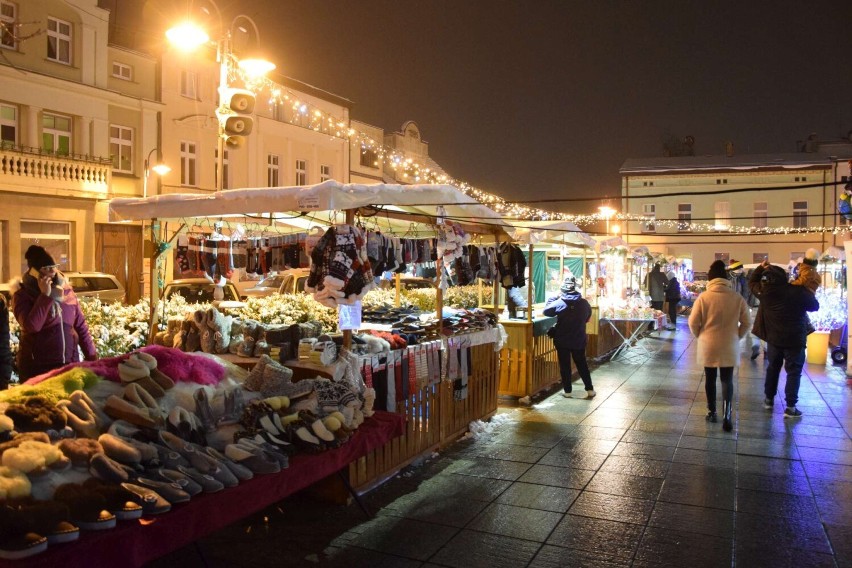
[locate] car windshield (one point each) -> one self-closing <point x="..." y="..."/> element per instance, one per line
<point x="201" y="293"/>
<point x="271" y="282"/>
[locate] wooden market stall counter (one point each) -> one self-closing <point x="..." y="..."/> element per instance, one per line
<point x="528" y="363"/>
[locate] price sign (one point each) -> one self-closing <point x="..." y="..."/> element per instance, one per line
<point x="349" y="317"/>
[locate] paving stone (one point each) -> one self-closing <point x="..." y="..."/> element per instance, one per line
<point x="791" y="484"/>
<point x="707" y="444"/>
<point x="766" y="448"/>
<point x="701" y="520"/>
<point x="562" y="457"/>
<point x="635" y="466"/>
<point x="455" y="487"/>
<point x="682" y="548"/>
<point x="777" y="504"/>
<point x="763" y="553"/>
<point x="805" y="533"/>
<point x="839" y="457"/>
<point x="700" y="457"/>
<point x="516" y="522"/>
<point x="599" y="536"/>
<point x="641" y="437"/>
<point x="612" y="507"/>
<point x="627" y="485"/>
<point x="644" y="451"/>
<point x="436" y="508"/>
<point x="542" y="497"/>
<point x="393" y="535"/>
<point x="556" y="557"/>
<point x="557" y="476"/>
<point x="702" y="492"/>
<point x="510" y="452"/>
<point x="350" y="556"/>
<point x="828" y="471"/>
<point x="485" y="467"/>
<point x="472" y="549"/>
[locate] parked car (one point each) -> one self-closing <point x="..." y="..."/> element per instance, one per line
<point x="284" y="282"/>
<point x="201" y="290"/>
<point x="105" y="287"/>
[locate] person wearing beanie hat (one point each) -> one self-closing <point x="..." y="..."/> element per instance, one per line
<point x="53" y="328"/>
<point x="571" y="311"/>
<point x="719" y="319"/>
<point x="808" y="275"/>
<point x="673" y="298"/>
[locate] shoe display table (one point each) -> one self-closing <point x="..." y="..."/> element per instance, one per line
<point x="133" y="543"/>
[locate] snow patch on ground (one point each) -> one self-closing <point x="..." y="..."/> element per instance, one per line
<point x="480" y="428"/>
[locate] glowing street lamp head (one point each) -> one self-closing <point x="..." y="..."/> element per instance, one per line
<point x="161" y="169"/>
<point x="187" y="36"/>
<point x="256" y="67"/>
<point x="606" y="212"/>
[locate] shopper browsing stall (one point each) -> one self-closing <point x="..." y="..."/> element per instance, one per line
<point x="572" y="311"/>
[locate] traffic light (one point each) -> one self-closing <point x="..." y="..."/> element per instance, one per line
<point x="234" y="114"/>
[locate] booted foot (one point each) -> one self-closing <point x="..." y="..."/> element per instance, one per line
<point x="726" y="425"/>
<point x="768" y="403"/>
<point x="792" y="412"/>
<point x="566" y="394"/>
<point x="591" y="393"/>
<point x="711" y="417"/>
<point x="755" y="352"/>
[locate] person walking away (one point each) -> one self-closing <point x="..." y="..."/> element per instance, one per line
<point x="5" y="347"/>
<point x="572" y="312"/>
<point x="719" y="319"/>
<point x="739" y="283"/>
<point x="52" y="323"/>
<point x="782" y="321"/>
<point x="655" y="282"/>
<point x="673" y="298"/>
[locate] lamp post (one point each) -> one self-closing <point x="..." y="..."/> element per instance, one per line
<point x="235" y="105"/>
<point x="159" y="168"/>
<point x="607" y="213"/>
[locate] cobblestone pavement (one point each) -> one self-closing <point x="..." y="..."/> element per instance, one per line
<point x="634" y="477"/>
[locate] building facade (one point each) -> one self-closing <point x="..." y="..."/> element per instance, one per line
<point x="746" y="207"/>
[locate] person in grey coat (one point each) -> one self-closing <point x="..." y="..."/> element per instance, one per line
<point x="719" y="319"/>
<point x="572" y="311"/>
<point x="656" y="283"/>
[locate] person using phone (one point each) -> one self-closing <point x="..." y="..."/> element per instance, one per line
<point x="52" y="324"/>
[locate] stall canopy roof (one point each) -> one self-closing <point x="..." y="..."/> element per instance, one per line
<point x="327" y="196"/>
<point x="606" y="243"/>
<point x="558" y="232"/>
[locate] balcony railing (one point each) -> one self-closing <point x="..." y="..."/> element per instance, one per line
<point x="31" y="167"/>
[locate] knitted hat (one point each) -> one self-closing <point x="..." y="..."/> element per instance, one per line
<point x="670" y="274"/>
<point x="735" y="265"/>
<point x="717" y="270"/>
<point x="811" y="257"/>
<point x="38" y="258"/>
<point x="569" y="284"/>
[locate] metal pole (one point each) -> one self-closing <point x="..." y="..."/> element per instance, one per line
<point x="222" y="56"/>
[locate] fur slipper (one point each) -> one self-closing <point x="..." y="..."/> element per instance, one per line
<point x="191" y="337"/>
<point x="220" y="325"/>
<point x="36" y="414"/>
<point x="80" y="450"/>
<point x="119" y="450"/>
<point x="121" y="409"/>
<point x="88" y="508"/>
<point x="14" y="484"/>
<point x="17" y="538"/>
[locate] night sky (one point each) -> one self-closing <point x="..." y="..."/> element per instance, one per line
<point x="546" y="99"/>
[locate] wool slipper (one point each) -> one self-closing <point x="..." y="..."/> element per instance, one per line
<point x="203" y="410"/>
<point x="119" y="450"/>
<point x="257" y="461"/>
<point x="52" y="519"/>
<point x="142" y="397"/>
<point x="132" y="369"/>
<point x="183" y="481"/>
<point x="316" y="426"/>
<point x="241" y="472"/>
<point x="169" y="491"/>
<point x="149" y="360"/>
<point x="34" y="458"/>
<point x="80" y="416"/>
<point x="106" y="469"/>
<point x="84" y="400"/>
<point x="168" y="458"/>
<point x="14" y="484"/>
<point x="151" y="501"/>
<point x="80" y="450"/>
<point x="88" y="508"/>
<point x="17" y="539"/>
<point x="121" y="409"/>
<point x="282" y="456"/>
<point x="234" y="404"/>
<point x="119" y="501"/>
<point x="207" y="482"/>
<point x="212" y="467"/>
<point x="36" y="414"/>
<point x="302" y="437"/>
<point x="163" y="381"/>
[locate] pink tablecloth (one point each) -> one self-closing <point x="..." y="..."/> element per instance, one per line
<point x="133" y="543"/>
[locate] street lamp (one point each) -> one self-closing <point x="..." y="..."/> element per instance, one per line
<point x="235" y="105"/>
<point x="159" y="168"/>
<point x="607" y="213"/>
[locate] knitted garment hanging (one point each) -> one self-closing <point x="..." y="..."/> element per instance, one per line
<point x="340" y="271"/>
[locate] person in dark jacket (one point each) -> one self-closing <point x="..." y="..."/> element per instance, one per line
<point x="52" y="323"/>
<point x="5" y="347"/>
<point x="572" y="311"/>
<point x="782" y="321"/>
<point x="655" y="282"/>
<point x="673" y="298"/>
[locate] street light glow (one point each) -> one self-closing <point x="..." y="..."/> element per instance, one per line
<point x="255" y="68"/>
<point x="161" y="169"/>
<point x="187" y="36"/>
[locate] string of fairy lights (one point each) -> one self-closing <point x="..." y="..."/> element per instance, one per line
<point x="299" y="111"/>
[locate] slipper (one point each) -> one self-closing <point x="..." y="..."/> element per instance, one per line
<point x="52" y="519"/>
<point x="119" y="501"/>
<point x="240" y="471"/>
<point x="139" y="395"/>
<point x="151" y="501"/>
<point x="119" y="408"/>
<point x="183" y="481"/>
<point x="207" y="482"/>
<point x="80" y="450"/>
<point x="88" y="508"/>
<point x="119" y="450"/>
<point x="17" y="539"/>
<point x="169" y="491"/>
<point x="257" y="461"/>
<point x="106" y="469"/>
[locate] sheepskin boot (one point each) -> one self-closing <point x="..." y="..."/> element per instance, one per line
<point x="236" y="336"/>
<point x="369" y="401"/>
<point x="208" y="342"/>
<point x="220" y="325"/>
<point x="172" y="329"/>
<point x="261" y="346"/>
<point x="191" y="335"/>
<point x="246" y="348"/>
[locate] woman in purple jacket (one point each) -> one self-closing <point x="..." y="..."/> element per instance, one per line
<point x="572" y="311"/>
<point x="52" y="323"/>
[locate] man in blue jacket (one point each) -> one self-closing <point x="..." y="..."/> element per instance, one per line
<point x="572" y="311"/>
<point x="782" y="321"/>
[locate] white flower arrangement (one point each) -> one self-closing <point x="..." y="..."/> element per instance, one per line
<point x="832" y="313"/>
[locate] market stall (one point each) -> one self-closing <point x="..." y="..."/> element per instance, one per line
<point x="528" y="360"/>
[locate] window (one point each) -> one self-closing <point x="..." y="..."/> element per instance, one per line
<point x="8" y="21"/>
<point x="54" y="236"/>
<point x="684" y="217"/>
<point x="272" y="170"/>
<point x="56" y="134"/>
<point x="301" y="172"/>
<point x="121" y="148"/>
<point x="724" y="256"/>
<point x="800" y="214"/>
<point x="649" y="210"/>
<point x="187" y="164"/>
<point x="369" y="158"/>
<point x="122" y="71"/>
<point x="325" y="173"/>
<point x="761" y="214"/>
<point x="721" y="181"/>
<point x="189" y="84"/>
<point x="8" y="125"/>
<point x="758" y="257"/>
<point x="59" y="40"/>
<point x="802" y="178"/>
<point x="795" y="256"/>
<point x="647" y="184"/>
<point x="226" y="178"/>
<point x="723" y="216"/>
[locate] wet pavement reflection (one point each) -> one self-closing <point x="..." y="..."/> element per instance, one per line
<point x="634" y="477"/>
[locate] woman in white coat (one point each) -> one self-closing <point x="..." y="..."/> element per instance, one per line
<point x="719" y="319"/>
